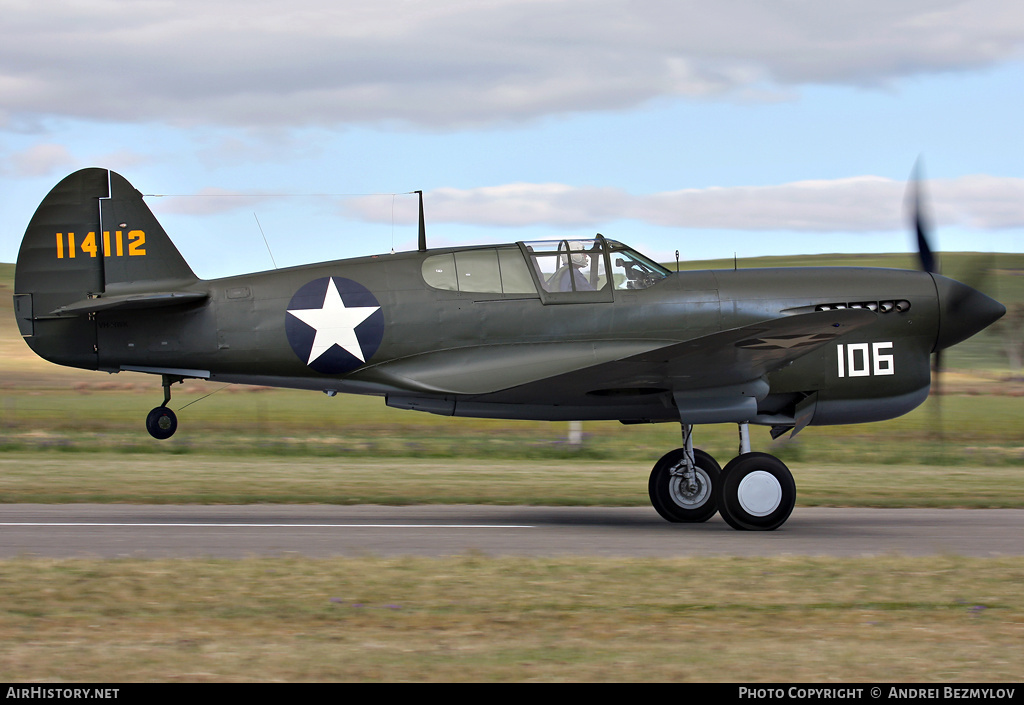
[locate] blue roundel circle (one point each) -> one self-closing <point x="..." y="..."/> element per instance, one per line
<point x="334" y="325"/>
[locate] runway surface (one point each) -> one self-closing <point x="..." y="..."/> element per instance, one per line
<point x="82" y="530"/>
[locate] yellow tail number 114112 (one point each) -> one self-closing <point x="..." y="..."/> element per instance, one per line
<point x="113" y="244"/>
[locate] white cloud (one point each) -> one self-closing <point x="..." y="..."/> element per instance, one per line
<point x="450" y="63"/>
<point x="122" y="160"/>
<point x="859" y="204"/>
<point x="40" y="160"/>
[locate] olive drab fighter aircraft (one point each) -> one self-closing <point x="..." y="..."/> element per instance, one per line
<point x="578" y="329"/>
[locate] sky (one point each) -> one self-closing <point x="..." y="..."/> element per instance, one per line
<point x="277" y="134"/>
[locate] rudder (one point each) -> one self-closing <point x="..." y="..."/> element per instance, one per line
<point x="139" y="248"/>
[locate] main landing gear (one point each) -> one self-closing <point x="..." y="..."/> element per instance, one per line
<point x="161" y="422"/>
<point x="754" y="492"/>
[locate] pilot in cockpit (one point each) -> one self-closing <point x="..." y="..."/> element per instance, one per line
<point x="572" y="272"/>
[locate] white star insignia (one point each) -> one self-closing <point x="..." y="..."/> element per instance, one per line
<point x="334" y="324"/>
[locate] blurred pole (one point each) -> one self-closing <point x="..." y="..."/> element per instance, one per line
<point x="575" y="433"/>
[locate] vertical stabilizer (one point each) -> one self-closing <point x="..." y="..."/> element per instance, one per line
<point x="92" y="236"/>
<point x="91" y="232"/>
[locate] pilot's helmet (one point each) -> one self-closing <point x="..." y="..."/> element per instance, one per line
<point x="578" y="258"/>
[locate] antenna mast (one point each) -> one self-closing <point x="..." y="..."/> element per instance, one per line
<point x="423" y="226"/>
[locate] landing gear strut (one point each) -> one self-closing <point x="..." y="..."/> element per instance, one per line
<point x="161" y="422"/>
<point x="755" y="491"/>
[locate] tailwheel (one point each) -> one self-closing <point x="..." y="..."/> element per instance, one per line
<point x="756" y="492"/>
<point x="161" y="423"/>
<point x="681" y="496"/>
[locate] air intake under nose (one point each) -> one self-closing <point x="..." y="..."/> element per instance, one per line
<point x="963" y="311"/>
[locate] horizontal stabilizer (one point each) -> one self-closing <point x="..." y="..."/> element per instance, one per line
<point x="158" y="299"/>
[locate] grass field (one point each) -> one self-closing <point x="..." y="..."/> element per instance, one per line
<point x="105" y="477"/>
<point x="72" y="436"/>
<point x="474" y="618"/>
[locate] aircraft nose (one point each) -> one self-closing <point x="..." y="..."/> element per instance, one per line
<point x="963" y="311"/>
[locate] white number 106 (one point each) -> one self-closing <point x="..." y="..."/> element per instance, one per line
<point x="865" y="359"/>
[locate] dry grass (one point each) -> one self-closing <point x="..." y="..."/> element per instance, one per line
<point x="513" y="619"/>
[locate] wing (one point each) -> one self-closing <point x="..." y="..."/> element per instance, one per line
<point x="739" y="355"/>
<point x="530" y="373"/>
<point x="485" y="369"/>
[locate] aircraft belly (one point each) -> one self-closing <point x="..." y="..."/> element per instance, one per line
<point x="646" y="410"/>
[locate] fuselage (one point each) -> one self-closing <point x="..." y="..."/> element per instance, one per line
<point x="516" y="355"/>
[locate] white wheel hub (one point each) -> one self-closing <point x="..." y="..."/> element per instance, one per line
<point x="759" y="493"/>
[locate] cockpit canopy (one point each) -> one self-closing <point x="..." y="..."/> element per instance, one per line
<point x="561" y="271"/>
<point x="583" y="265"/>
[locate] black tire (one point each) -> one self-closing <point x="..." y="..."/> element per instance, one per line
<point x="756" y="492"/>
<point x="161" y="423"/>
<point x="671" y="500"/>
